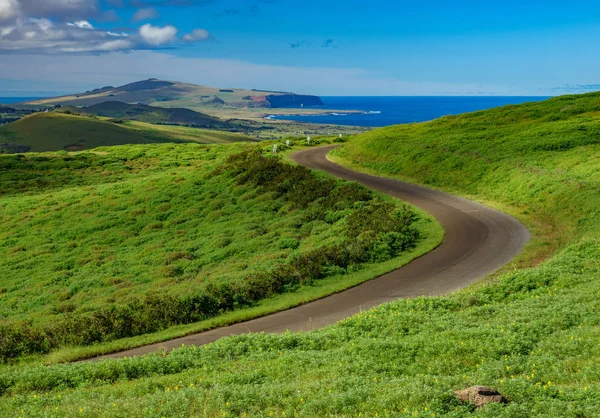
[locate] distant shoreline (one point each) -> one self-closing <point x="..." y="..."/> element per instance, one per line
<point x="308" y="112"/>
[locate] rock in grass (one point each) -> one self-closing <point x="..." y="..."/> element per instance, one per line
<point x="480" y="396"/>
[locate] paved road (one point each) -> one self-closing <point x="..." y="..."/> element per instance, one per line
<point x="478" y="241"/>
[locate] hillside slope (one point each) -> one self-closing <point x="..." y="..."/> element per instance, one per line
<point x="56" y="131"/>
<point x="176" y="94"/>
<point x="179" y="235"/>
<point x="537" y="158"/>
<point x="532" y="333"/>
<point x="153" y="114"/>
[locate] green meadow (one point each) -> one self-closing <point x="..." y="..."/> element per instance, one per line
<point x="129" y="241"/>
<point x="532" y="331"/>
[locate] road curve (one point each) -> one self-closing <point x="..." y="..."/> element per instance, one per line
<point x="478" y="241"/>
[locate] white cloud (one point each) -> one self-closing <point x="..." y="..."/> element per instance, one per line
<point x="197" y="35"/>
<point x="65" y="26"/>
<point x="9" y="9"/>
<point x="7" y="30"/>
<point x="148" y="13"/>
<point x="82" y="24"/>
<point x="45" y="36"/>
<point x="105" y="46"/>
<point x="156" y="35"/>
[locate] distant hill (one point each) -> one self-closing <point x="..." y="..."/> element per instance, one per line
<point x="56" y="131"/>
<point x="174" y="94"/>
<point x="150" y="114"/>
<point x="6" y="109"/>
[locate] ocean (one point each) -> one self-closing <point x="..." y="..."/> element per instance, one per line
<point x="9" y="100"/>
<point x="385" y="111"/>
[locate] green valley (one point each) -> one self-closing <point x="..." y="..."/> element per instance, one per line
<point x="532" y="330"/>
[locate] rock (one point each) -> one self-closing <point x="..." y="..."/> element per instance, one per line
<point x="480" y="396"/>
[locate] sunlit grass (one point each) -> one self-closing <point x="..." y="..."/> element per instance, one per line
<point x="155" y="242"/>
<point x="532" y="333"/>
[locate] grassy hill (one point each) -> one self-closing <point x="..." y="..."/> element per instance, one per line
<point x="128" y="241"/>
<point x="533" y="333"/>
<point x="182" y="95"/>
<point x="56" y="131"/>
<point x="152" y="114"/>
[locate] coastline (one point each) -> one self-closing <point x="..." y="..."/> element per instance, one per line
<point x="323" y="112"/>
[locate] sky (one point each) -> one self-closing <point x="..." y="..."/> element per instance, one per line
<point x="324" y="47"/>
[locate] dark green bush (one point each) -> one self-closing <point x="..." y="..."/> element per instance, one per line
<point x="21" y="339"/>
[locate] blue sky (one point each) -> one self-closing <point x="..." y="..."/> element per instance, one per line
<point x="323" y="47"/>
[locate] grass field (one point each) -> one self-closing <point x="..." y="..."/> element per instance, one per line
<point x="130" y="241"/>
<point x="56" y="131"/>
<point x="533" y="333"/>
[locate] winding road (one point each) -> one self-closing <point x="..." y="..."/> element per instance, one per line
<point x="478" y="241"/>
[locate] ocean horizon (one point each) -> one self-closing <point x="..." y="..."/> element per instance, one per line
<point x="379" y="111"/>
<point x="11" y="100"/>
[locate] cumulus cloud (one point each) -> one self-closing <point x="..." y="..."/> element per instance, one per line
<point x="197" y="35"/>
<point x="156" y="35"/>
<point x="44" y="35"/>
<point x="49" y="37"/>
<point x="9" y="9"/>
<point x="67" y="26"/>
<point x="148" y="13"/>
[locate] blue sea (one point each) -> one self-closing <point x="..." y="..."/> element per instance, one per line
<point x="385" y="111"/>
<point x="9" y="100"/>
